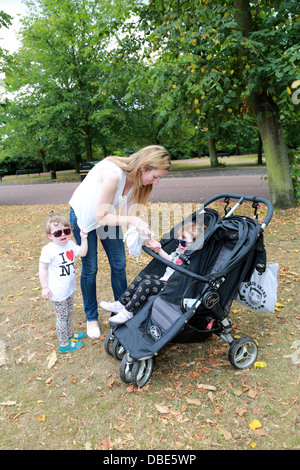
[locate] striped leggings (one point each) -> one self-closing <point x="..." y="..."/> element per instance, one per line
<point x="63" y="312"/>
<point x="140" y="289"/>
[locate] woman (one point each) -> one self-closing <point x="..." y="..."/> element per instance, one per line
<point x="113" y="183"/>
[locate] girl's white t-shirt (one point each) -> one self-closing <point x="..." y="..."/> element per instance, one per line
<point x="61" y="268"/>
<point x="85" y="198"/>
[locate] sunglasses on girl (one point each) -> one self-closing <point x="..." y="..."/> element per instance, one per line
<point x="58" y="233"/>
<point x="183" y="243"/>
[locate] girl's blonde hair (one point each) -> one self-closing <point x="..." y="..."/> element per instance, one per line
<point x="153" y="157"/>
<point x="191" y="228"/>
<point x="55" y="219"/>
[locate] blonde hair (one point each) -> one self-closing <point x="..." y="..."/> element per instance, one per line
<point x="191" y="228"/>
<point x="55" y="219"/>
<point x="153" y="157"/>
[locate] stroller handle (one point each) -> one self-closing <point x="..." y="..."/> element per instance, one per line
<point x="241" y="198"/>
<point x="182" y="270"/>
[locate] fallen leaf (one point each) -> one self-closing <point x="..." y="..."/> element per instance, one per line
<point x="162" y="409"/>
<point x="252" y="394"/>
<point x="193" y="401"/>
<point x="255" y="424"/>
<point x="227" y="435"/>
<point x="111" y="383"/>
<point x="206" y="370"/>
<point x="207" y="387"/>
<point x="260" y="364"/>
<point x="241" y="411"/>
<point x="42" y="419"/>
<point x="52" y="359"/>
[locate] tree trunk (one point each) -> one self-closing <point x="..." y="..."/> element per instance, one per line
<point x="259" y="150"/>
<point x="266" y="115"/>
<point x="89" y="149"/>
<point x="105" y="153"/>
<point x="43" y="158"/>
<point x="279" y="176"/>
<point x="212" y="152"/>
<point x="78" y="160"/>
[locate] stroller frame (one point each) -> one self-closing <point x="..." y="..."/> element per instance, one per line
<point x="137" y="362"/>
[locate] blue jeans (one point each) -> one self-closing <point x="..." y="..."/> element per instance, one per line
<point x="115" y="251"/>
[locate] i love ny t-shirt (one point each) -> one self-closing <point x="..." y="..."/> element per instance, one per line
<point x="61" y="268"/>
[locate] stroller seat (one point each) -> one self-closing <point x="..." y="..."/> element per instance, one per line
<point x="223" y="256"/>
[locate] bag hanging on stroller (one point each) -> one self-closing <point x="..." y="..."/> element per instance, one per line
<point x="260" y="292"/>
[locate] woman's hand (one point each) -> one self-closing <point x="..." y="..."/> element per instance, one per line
<point x="143" y="227"/>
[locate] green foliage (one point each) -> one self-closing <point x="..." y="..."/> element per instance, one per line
<point x="295" y="171"/>
<point x="61" y="78"/>
<point x="100" y="77"/>
<point x="215" y="61"/>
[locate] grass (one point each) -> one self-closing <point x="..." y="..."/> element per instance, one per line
<point x="195" y="399"/>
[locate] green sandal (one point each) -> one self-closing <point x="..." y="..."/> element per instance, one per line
<point x="72" y="346"/>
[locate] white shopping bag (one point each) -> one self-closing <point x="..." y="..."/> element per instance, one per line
<point x="260" y="292"/>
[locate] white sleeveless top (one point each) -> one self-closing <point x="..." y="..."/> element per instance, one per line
<point x="85" y="197"/>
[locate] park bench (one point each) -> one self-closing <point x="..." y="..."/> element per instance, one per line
<point x="224" y="154"/>
<point x="84" y="168"/>
<point x="1" y="174"/>
<point x="28" y="172"/>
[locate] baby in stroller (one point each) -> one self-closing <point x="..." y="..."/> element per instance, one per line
<point x="145" y="285"/>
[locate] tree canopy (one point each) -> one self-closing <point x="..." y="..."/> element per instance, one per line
<point x="96" y="77"/>
<point x="217" y="61"/>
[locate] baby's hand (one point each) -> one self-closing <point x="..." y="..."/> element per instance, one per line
<point x="83" y="234"/>
<point x="154" y="245"/>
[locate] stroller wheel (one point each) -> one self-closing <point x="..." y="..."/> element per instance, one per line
<point x="125" y="369"/>
<point x="141" y="372"/>
<point x="109" y="342"/>
<point x="117" y="349"/>
<point x="243" y="353"/>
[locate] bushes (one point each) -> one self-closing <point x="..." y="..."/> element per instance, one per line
<point x="10" y="164"/>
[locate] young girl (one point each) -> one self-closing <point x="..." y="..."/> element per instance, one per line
<point x="143" y="286"/>
<point x="57" y="277"/>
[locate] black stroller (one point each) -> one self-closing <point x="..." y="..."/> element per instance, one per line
<point x="197" y="298"/>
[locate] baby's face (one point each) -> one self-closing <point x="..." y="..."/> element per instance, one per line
<point x="186" y="240"/>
